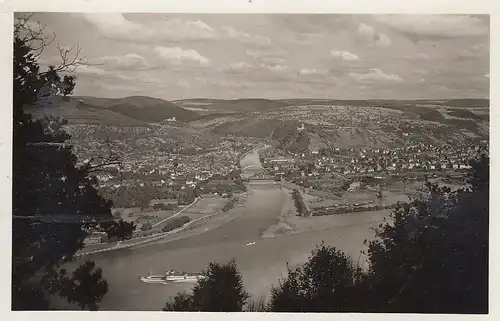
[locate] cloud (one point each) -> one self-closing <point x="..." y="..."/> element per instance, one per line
<point x="481" y="47"/>
<point x="378" y="39"/>
<point x="382" y="40"/>
<point x="131" y="61"/>
<point x="275" y="67"/>
<point x="435" y="26"/>
<point x="116" y="26"/>
<point x="311" y="71"/>
<point x="92" y="71"/>
<point x="314" y="77"/>
<point x="178" y="56"/>
<point x="189" y="29"/>
<point x="271" y="57"/>
<point x="421" y="56"/>
<point x="477" y="51"/>
<point x="376" y="75"/>
<point x="344" y="55"/>
<point x="417" y="57"/>
<point x="242" y="67"/>
<point x="231" y="33"/>
<point x="222" y="82"/>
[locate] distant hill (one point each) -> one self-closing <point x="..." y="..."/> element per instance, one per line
<point x="453" y="120"/>
<point x="128" y="111"/>
<point x="235" y="105"/>
<point x="473" y="102"/>
<point x="249" y="127"/>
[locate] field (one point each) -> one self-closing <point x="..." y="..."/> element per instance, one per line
<point x="138" y="217"/>
<point x="205" y="206"/>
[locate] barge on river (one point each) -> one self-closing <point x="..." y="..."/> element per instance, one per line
<point x="172" y="277"/>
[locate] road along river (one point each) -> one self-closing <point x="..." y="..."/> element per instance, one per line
<point x="261" y="263"/>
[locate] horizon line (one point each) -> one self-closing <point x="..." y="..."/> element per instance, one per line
<point x="291" y="98"/>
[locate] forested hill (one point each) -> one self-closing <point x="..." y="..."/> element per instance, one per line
<point x="131" y="111"/>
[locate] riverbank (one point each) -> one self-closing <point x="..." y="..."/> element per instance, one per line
<point x="197" y="217"/>
<point x="289" y="222"/>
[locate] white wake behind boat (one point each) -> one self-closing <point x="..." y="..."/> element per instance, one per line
<point x="171" y="277"/>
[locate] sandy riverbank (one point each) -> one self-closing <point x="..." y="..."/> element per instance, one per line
<point x="289" y="222"/>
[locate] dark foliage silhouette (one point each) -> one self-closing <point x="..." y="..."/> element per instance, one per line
<point x="51" y="195"/>
<point x="118" y="229"/>
<point x="325" y="283"/>
<point x="432" y="256"/>
<point x="220" y="291"/>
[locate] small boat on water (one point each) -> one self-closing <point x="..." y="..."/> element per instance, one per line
<point x="172" y="277"/>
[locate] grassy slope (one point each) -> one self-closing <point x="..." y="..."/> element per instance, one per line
<point x="128" y="111"/>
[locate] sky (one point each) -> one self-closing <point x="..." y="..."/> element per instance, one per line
<point x="275" y="56"/>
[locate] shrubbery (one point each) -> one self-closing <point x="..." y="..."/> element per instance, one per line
<point x="325" y="283"/>
<point x="299" y="203"/>
<point x="164" y="207"/>
<point x="221" y="290"/>
<point x="146" y="226"/>
<point x="118" y="229"/>
<point x="176" y="222"/>
<point x="351" y="209"/>
<point x="229" y="205"/>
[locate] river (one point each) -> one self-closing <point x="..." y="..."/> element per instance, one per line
<point x="261" y="264"/>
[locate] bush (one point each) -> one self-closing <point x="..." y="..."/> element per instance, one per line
<point x="229" y="205"/>
<point x="220" y="291"/>
<point x="299" y="202"/>
<point x="163" y="207"/>
<point x="176" y="222"/>
<point x="325" y="283"/>
<point x="146" y="226"/>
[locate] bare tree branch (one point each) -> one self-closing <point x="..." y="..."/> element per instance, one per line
<point x="35" y="37"/>
<point x="100" y="163"/>
<point x="32" y="35"/>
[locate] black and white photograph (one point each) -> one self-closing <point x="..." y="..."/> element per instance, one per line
<point x="264" y="162"/>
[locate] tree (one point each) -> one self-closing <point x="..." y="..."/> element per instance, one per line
<point x="53" y="199"/>
<point x="325" y="283"/>
<point x="118" y="229"/>
<point x="432" y="256"/>
<point x="221" y="290"/>
<point x="85" y="287"/>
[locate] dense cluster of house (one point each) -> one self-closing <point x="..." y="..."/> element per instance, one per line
<point x="158" y="156"/>
<point x="414" y="158"/>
